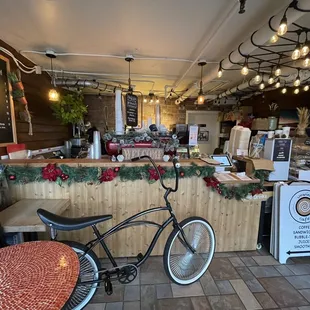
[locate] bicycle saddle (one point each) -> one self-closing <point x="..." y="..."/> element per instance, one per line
<point x="66" y="223"/>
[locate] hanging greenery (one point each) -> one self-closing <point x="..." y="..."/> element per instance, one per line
<point x="70" y="109"/>
<point x="95" y="175"/>
<point x="238" y="192"/>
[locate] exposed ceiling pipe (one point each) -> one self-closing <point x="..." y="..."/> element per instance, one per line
<point x="108" y="56"/>
<point x="125" y="75"/>
<point x="216" y="30"/>
<point x="262" y="36"/>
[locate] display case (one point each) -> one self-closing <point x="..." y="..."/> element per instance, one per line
<point x="300" y="159"/>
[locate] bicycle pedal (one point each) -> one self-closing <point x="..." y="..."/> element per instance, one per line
<point x="108" y="287"/>
<point x="140" y="256"/>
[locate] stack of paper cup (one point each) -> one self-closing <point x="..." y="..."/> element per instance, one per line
<point x="286" y="131"/>
<point x="97" y="145"/>
<point x="91" y="152"/>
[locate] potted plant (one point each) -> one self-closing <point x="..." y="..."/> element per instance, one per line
<point x="70" y="109"/>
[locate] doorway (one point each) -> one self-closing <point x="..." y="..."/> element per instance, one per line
<point x="212" y="126"/>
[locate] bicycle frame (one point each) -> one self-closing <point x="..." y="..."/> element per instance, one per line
<point x="130" y="222"/>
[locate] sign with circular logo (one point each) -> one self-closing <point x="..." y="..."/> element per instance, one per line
<point x="300" y="206"/>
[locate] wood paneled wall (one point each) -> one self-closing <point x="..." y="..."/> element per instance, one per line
<point x="47" y="131"/>
<point x="235" y="222"/>
<point x="289" y="101"/>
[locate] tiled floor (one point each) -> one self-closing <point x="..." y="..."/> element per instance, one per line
<point x="234" y="281"/>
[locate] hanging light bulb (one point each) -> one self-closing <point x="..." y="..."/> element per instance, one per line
<point x="270" y="80"/>
<point x="261" y="86"/>
<point x="220" y="73"/>
<point x="283" y="26"/>
<point x="306" y="62"/>
<point x="278" y="84"/>
<point x="306" y="88"/>
<point x="151" y="101"/>
<point x="144" y="100"/>
<point x="284" y="90"/>
<point x="201" y="97"/>
<point x="157" y="100"/>
<point x="297" y="81"/>
<point x="277" y="71"/>
<point x="258" y="78"/>
<point x="296" y="53"/>
<point x="305" y="49"/>
<point x="296" y="91"/>
<point x="274" y="39"/>
<point x="53" y="95"/>
<point x="245" y="68"/>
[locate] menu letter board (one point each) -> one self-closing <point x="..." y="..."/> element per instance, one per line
<point x="282" y="149"/>
<point x="7" y="120"/>
<point x="131" y="110"/>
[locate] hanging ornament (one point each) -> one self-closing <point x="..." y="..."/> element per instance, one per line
<point x="182" y="174"/>
<point x="116" y="169"/>
<point x="12" y="177"/>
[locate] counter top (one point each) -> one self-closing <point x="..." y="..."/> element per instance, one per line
<point x="104" y="162"/>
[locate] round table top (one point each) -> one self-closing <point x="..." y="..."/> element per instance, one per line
<point x="37" y="275"/>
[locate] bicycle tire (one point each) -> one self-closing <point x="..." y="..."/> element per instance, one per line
<point x="188" y="262"/>
<point x="89" y="264"/>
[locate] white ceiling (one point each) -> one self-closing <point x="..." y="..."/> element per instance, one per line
<point x="144" y="28"/>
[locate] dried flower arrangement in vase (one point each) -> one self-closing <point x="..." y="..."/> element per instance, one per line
<point x="303" y="115"/>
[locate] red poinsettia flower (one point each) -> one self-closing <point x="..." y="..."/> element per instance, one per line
<point x="108" y="175"/>
<point x="51" y="173"/>
<point x="153" y="173"/>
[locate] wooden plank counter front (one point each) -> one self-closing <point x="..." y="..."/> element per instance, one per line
<point x="235" y="222"/>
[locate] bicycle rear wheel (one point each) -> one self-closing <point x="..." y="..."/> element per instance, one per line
<point x="89" y="267"/>
<point x="181" y="265"/>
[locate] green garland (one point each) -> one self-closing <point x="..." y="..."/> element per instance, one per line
<point x="95" y="175"/>
<point x="23" y="175"/>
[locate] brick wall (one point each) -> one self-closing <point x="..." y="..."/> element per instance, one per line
<point x="101" y="111"/>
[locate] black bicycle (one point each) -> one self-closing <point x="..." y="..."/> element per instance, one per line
<point x="188" y="251"/>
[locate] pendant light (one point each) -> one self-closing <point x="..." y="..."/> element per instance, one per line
<point x="258" y="78"/>
<point x="277" y="71"/>
<point x="278" y="84"/>
<point x="53" y="95"/>
<point x="297" y="81"/>
<point x="274" y="39"/>
<point x="245" y="68"/>
<point x="220" y="70"/>
<point x="201" y="97"/>
<point x="306" y="88"/>
<point x="306" y="47"/>
<point x="271" y="80"/>
<point x="284" y="90"/>
<point x="261" y="86"/>
<point x="297" y="51"/>
<point x="129" y="59"/>
<point x="283" y="26"/>
<point x="306" y="62"/>
<point x="296" y="91"/>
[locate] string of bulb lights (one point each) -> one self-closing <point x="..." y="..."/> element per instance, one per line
<point x="287" y="49"/>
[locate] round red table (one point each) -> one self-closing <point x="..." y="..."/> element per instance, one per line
<point x="37" y="275"/>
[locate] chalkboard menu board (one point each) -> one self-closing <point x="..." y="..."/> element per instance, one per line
<point x="131" y="110"/>
<point x="282" y="149"/>
<point x="7" y="120"/>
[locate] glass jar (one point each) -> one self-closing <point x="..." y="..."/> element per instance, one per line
<point x="272" y="123"/>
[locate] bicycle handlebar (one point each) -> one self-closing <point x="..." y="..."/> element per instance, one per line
<point x="176" y="165"/>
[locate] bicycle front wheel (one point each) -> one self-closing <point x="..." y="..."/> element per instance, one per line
<point x="182" y="265"/>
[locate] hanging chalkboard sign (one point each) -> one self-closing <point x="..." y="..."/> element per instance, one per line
<point x="7" y="119"/>
<point x="131" y="110"/>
